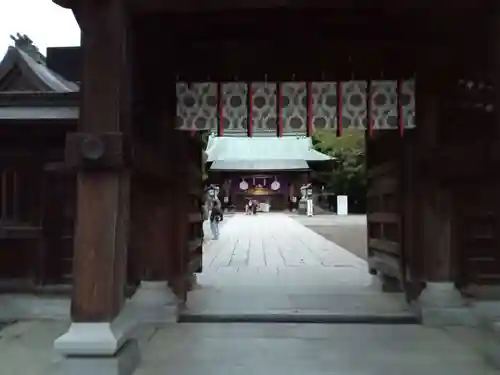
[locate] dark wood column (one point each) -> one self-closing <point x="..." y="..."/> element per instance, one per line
<point x="103" y="190"/>
<point x="186" y="229"/>
<point x="179" y="235"/>
<point x="151" y="228"/>
<point x="434" y="209"/>
<point x="494" y="57"/>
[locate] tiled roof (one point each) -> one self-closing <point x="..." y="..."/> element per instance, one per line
<point x="259" y="165"/>
<point x="43" y="78"/>
<point x="39" y="113"/>
<point x="49" y="77"/>
<point x="269" y="148"/>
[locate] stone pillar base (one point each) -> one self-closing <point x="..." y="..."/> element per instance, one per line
<point x="124" y="362"/>
<point x="192" y="281"/>
<point x="441" y="304"/>
<point x="390" y="284"/>
<point x="98" y="348"/>
<point x="154" y="302"/>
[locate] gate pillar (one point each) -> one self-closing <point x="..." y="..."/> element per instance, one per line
<point x="152" y="242"/>
<point x="99" y="339"/>
<point x="440" y="301"/>
<point x="186" y="226"/>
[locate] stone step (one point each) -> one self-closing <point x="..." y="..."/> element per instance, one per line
<point x="299" y="317"/>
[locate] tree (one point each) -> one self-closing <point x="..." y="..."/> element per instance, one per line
<point x="347" y="176"/>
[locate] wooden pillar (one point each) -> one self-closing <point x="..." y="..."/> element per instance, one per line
<point x="187" y="190"/>
<point x="435" y="203"/>
<point x="412" y="256"/>
<point x="495" y="62"/>
<point x="431" y="221"/>
<point x="180" y="192"/>
<point x="151" y="220"/>
<point x="98" y="153"/>
<point x="102" y="197"/>
<point x="152" y="244"/>
<point x="440" y="301"/>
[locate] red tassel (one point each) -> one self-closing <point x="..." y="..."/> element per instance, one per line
<point x="400" y="115"/>
<point x="279" y="93"/>
<point x="339" y="108"/>
<point x="220" y="103"/>
<point x="369" y="108"/>
<point x="250" y="109"/>
<point x="309" y="109"/>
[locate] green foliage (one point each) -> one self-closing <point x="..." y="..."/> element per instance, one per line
<point x="204" y="136"/>
<point x="347" y="176"/>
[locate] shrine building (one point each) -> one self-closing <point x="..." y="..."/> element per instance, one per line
<point x="265" y="168"/>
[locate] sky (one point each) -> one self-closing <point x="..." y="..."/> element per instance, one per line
<point x="46" y="23"/>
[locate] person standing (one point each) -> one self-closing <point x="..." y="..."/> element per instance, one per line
<point x="250" y="207"/>
<point x="215" y="218"/>
<point x="309" y="206"/>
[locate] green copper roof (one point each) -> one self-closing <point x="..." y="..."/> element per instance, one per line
<point x="259" y="165"/>
<point x="282" y="149"/>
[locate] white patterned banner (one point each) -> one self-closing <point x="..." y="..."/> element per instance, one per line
<point x="206" y="106"/>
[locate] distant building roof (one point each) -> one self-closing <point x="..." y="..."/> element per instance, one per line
<point x="262" y="153"/>
<point x="259" y="165"/>
<point x="263" y="148"/>
<point x="25" y="58"/>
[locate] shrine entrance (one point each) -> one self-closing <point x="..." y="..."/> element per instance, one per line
<point x="290" y="91"/>
<point x="292" y="88"/>
<point x="137" y="158"/>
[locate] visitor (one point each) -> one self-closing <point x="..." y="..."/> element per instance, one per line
<point x="254" y="207"/>
<point x="249" y="207"/>
<point x="215" y="218"/>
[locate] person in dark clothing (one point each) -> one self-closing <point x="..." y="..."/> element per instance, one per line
<point x="216" y="217"/>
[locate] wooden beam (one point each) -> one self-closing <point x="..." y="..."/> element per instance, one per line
<point x="385" y="246"/>
<point x="217" y="5"/>
<point x="384" y="217"/>
<point x="68" y="4"/>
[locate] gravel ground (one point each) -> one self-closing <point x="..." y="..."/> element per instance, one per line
<point x="346" y="231"/>
<point x="350" y="237"/>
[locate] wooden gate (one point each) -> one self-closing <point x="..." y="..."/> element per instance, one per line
<point x="188" y="207"/>
<point x="384" y="204"/>
<point x="385" y="109"/>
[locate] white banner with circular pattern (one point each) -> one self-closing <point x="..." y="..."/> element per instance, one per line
<point x="291" y="105"/>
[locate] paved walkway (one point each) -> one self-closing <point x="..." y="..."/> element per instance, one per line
<point x="271" y="264"/>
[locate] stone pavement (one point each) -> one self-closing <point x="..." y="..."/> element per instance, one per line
<point x="267" y="349"/>
<point x="298" y="349"/>
<point x="270" y="265"/>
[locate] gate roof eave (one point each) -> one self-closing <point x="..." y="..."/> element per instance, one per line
<point x="262" y="149"/>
